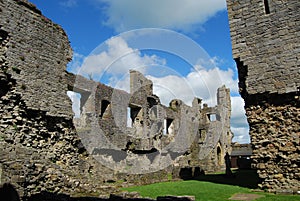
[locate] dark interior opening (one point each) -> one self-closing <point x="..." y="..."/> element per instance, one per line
<point x="134" y="111"/>
<point x="267" y="7"/>
<point x="104" y="106"/>
<point x="219" y="155"/>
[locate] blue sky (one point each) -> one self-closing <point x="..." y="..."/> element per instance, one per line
<point x="191" y="34"/>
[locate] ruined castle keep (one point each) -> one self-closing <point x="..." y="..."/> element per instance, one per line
<point x="265" y="43"/>
<point x="42" y="151"/>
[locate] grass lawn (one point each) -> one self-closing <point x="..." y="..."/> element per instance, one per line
<point x="212" y="189"/>
<point x="202" y="191"/>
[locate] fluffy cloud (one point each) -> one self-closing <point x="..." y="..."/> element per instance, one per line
<point x="201" y="83"/>
<point x="116" y="60"/>
<point x="241" y="134"/>
<point x="75" y="98"/>
<point x="239" y="124"/>
<point x="173" y="14"/>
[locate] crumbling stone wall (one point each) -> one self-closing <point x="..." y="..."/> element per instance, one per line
<point x="39" y="75"/>
<point x="117" y="127"/>
<point x="40" y="150"/>
<point x="265" y="43"/>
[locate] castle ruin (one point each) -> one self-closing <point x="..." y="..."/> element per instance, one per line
<point x="136" y="125"/>
<point x="42" y="151"/>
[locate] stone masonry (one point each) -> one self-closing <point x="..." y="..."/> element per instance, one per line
<point x="137" y="126"/>
<point x="266" y="48"/>
<point x="42" y="151"/>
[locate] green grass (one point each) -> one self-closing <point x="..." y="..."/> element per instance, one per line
<point x="202" y="190"/>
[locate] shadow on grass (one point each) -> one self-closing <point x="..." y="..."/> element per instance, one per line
<point x="243" y="178"/>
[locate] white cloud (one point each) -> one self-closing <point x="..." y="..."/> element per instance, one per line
<point x="241" y="134"/>
<point x="75" y="98"/>
<point x="201" y="83"/>
<point x="172" y="14"/>
<point x="172" y="87"/>
<point x="239" y="124"/>
<point x="117" y="60"/>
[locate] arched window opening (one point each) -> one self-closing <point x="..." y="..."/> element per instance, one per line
<point x="219" y="155"/>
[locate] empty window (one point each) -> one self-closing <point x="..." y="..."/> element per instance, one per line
<point x="134" y="116"/>
<point x="151" y="102"/>
<point x="267" y="7"/>
<point x="219" y="155"/>
<point x="129" y="120"/>
<point x="168" y="127"/>
<point x="212" y="117"/>
<point x="105" y="109"/>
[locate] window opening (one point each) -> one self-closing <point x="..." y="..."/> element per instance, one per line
<point x="168" y="127"/>
<point x="151" y="102"/>
<point x="129" y="120"/>
<point x="136" y="115"/>
<point x="219" y="155"/>
<point x="267" y="7"/>
<point x="212" y="117"/>
<point x="105" y="108"/>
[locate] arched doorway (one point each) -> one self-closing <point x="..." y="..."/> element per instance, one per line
<point x="219" y="155"/>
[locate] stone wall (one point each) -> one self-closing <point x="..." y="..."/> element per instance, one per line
<point x="134" y="133"/>
<point x="39" y="75"/>
<point x="275" y="137"/>
<point x="265" y="43"/>
<point x="40" y="150"/>
<point x="265" y="46"/>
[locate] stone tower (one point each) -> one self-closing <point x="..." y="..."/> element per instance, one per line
<point x="266" y="44"/>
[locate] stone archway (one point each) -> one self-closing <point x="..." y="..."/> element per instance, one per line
<point x="219" y="155"/>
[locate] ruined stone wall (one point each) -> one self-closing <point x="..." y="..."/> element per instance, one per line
<point x="214" y="134"/>
<point x="178" y="136"/>
<point x="40" y="150"/>
<point x="275" y="140"/>
<point x="39" y="75"/>
<point x="265" y="43"/>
